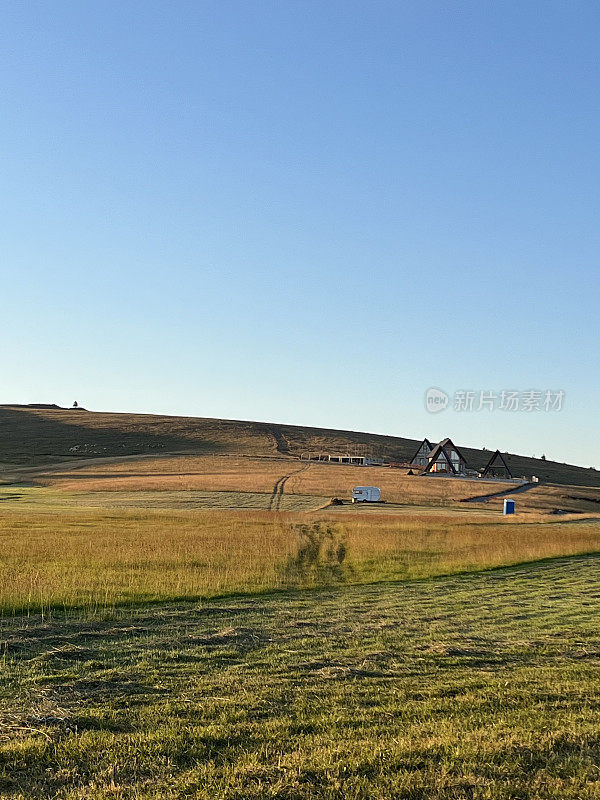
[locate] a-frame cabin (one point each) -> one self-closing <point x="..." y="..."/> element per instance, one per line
<point x="421" y="457"/>
<point x="446" y="458"/>
<point x="497" y="467"/>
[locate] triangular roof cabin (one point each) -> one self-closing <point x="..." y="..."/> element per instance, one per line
<point x="421" y="457"/>
<point x="446" y="458"/>
<point x="497" y="467"/>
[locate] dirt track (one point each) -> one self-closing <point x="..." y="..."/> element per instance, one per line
<point x="525" y="487"/>
<point x="278" y="489"/>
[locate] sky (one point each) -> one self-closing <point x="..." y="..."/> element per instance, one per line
<point x="307" y="212"/>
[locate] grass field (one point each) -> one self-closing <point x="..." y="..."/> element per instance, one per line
<point x="287" y="477"/>
<point x="205" y="625"/>
<point x="482" y="686"/>
<point x="55" y="553"/>
<point x="259" y="475"/>
<point x="51" y="499"/>
<point x="247" y="474"/>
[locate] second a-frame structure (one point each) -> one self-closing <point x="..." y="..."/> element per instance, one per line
<point x="496" y="467"/>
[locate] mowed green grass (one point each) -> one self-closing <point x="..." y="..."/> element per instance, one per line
<point x="482" y="686"/>
<point x="28" y="498"/>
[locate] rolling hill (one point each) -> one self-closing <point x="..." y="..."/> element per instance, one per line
<point x="38" y="435"/>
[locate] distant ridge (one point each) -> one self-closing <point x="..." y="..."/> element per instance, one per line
<point x="42" y="433"/>
<point x="36" y="405"/>
<point x="44" y="405"/>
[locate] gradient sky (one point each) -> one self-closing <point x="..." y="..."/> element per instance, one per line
<point x="304" y="211"/>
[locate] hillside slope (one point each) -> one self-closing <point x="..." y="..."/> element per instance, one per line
<point x="40" y="435"/>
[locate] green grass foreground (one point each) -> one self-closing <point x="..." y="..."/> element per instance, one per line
<point x="481" y="686"/>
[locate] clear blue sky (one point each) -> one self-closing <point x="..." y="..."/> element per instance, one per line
<point x="304" y="211"/>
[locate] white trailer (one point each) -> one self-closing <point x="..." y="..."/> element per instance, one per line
<point x="366" y="494"/>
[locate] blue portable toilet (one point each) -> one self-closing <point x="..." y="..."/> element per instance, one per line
<point x="509" y="507"/>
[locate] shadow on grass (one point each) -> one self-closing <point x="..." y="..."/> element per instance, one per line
<point x="320" y="558"/>
<point x="32" y="438"/>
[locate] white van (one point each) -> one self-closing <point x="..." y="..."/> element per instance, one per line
<point x="365" y="494"/>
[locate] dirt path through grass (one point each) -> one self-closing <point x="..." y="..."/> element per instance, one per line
<point x="481" y="498"/>
<point x="279" y="487"/>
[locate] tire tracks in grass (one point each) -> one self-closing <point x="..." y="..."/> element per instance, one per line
<point x="279" y="488"/>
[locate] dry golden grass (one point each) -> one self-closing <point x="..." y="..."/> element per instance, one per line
<point x="179" y="473"/>
<point x="435" y="545"/>
<point x="235" y="473"/>
<point x="93" y="557"/>
<point x="290" y="476"/>
<point x="90" y="557"/>
<point x="396" y="486"/>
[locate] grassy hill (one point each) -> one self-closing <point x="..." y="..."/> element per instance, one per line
<point x="33" y="435"/>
